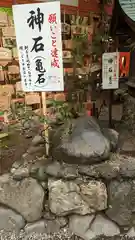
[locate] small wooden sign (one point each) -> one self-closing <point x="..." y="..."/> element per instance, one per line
<point x="8" y="31"/>
<point x="3" y="19"/>
<point x="68" y="44"/>
<point x="5" y="54"/>
<point x="13" y="69"/>
<point x="6" y="90"/>
<point x="5" y="102"/>
<point x="59" y="97"/>
<point x="32" y="98"/>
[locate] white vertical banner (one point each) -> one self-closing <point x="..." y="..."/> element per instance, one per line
<point x="39" y="43"/>
<point x="110" y="70"/>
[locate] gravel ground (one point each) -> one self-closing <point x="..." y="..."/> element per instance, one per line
<point x="62" y="235"/>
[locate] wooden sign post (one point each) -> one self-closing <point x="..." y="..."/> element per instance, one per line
<point x="40" y="49"/>
<point x="45" y="124"/>
<point x="110" y="76"/>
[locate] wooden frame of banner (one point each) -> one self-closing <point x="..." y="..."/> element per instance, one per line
<point x="46" y="133"/>
<point x="44" y="106"/>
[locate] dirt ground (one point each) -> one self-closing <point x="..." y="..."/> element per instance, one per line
<point x="13" y="147"/>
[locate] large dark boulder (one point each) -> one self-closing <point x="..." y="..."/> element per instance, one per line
<point x="80" y="141"/>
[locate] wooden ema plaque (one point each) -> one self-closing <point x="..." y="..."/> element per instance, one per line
<point x="32" y="98"/>
<point x="5" y="102"/>
<point x="6" y="90"/>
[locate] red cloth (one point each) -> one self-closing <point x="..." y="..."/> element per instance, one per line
<point x="89" y="112"/>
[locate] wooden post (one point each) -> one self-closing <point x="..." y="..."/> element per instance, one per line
<point x="110" y="107"/>
<point x="45" y="124"/>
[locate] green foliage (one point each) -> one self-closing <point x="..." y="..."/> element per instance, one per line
<point x="61" y="110"/>
<point x="3" y="136"/>
<point x="96" y="45"/>
<point x="23" y="112"/>
<point x="81" y="37"/>
<point x="6" y="10"/>
<point x="79" y="43"/>
<point x="64" y="112"/>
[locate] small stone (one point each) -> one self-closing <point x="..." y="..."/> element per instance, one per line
<point x="38" y="170"/>
<point x="95" y="194"/>
<point x="131" y="233"/>
<point x="43" y="226"/>
<point x="90" y="171"/>
<point x="44" y="185"/>
<point x="41" y="174"/>
<point x="65" y="171"/>
<point x="20" y="173"/>
<point x="109" y="170"/>
<point x="80" y="225"/>
<point x="17" y="164"/>
<point x="53" y="169"/>
<point x="49" y="216"/>
<point x="12" y="171"/>
<point x="63" y="221"/>
<point x="37" y="227"/>
<point x="37" y="140"/>
<point x="10" y="221"/>
<point x="69" y="171"/>
<point x="52" y="226"/>
<point x="103" y="226"/>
